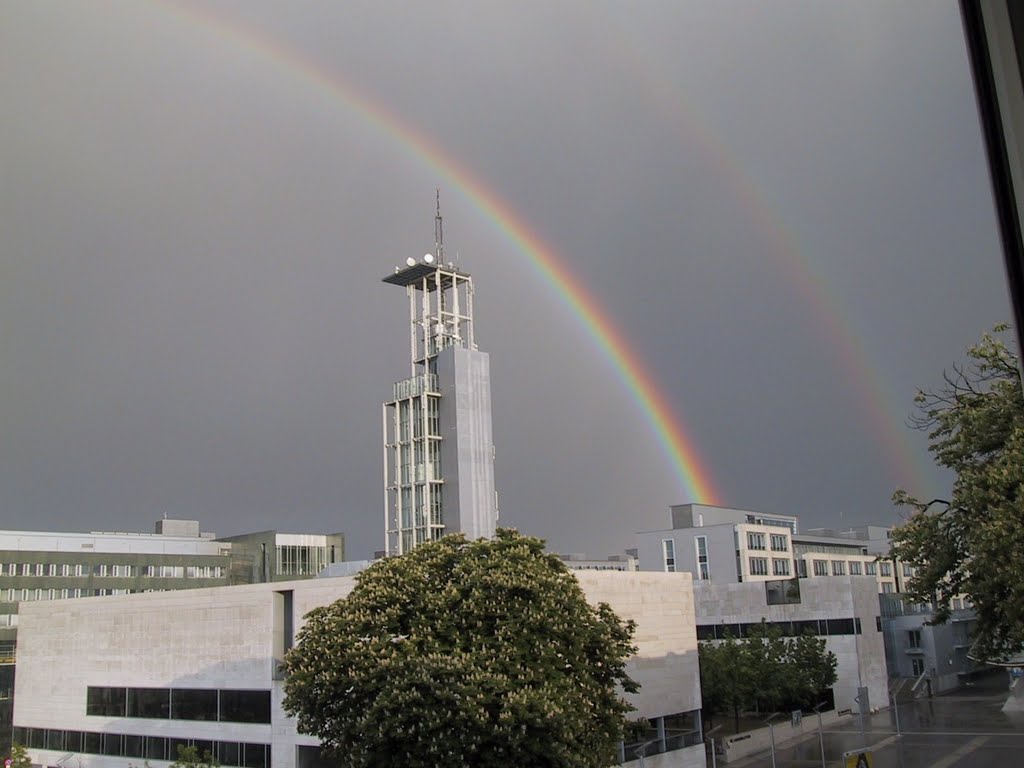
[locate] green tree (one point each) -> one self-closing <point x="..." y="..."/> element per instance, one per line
<point x="764" y="671"/>
<point x="189" y="757"/>
<point x="767" y="661"/>
<point x="811" y="670"/>
<point x="970" y="544"/>
<point x="19" y="756"/>
<point x="726" y="681"/>
<point x="482" y="653"/>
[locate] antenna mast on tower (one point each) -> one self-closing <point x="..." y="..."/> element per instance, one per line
<point x="439" y="231"/>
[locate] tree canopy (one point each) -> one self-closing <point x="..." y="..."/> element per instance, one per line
<point x="764" y="671"/>
<point x="482" y="653"/>
<point x="970" y="544"/>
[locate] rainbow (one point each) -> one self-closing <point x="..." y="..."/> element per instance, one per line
<point x="886" y="412"/>
<point x="696" y="482"/>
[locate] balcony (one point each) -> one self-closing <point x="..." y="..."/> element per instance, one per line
<point x="415" y="386"/>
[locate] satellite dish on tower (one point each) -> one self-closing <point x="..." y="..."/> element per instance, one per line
<point x="428" y="258"/>
<point x="410" y="261"/>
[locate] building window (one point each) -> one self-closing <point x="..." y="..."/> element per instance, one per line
<point x="914" y="638"/>
<point x="755" y="541"/>
<point x="703" y="566"/>
<point x="99" y="570"/>
<point x="908" y="570"/>
<point x="871" y="569"/>
<point x="801" y="569"/>
<point x="887" y="587"/>
<point x="821" y="567"/>
<point x="297" y="560"/>
<point x="917" y="665"/>
<point x="668" y="547"/>
<point x="838" y="568"/>
<point x="779" y="543"/>
<point x="26" y="569"/>
<point x="886" y="568"/>
<point x="51" y="569"/>
<point x="855" y="568"/>
<point x="759" y="566"/>
<point x="106" y="702"/>
<point x="780" y="567"/>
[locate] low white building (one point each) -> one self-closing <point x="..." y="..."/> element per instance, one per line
<point x="842" y="610"/>
<point x="113" y="682"/>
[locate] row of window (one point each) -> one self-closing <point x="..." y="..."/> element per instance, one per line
<point x="113" y="570"/>
<point x="700" y="543"/>
<point x="227" y="753"/>
<point x="821" y="627"/>
<point x="225" y="706"/>
<point x="779" y="542"/>
<point x="857" y="568"/>
<point x="759" y="566"/>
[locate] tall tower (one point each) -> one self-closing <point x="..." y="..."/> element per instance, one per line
<point x="438" y="445"/>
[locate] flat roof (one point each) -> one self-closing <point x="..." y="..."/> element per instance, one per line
<point x="415" y="274"/>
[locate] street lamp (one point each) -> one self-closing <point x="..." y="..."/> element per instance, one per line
<point x="709" y="738"/>
<point x="821" y="732"/>
<point x="771" y="733"/>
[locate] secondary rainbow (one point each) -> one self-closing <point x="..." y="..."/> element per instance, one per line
<point x="885" y="411"/>
<point x="697" y="484"/>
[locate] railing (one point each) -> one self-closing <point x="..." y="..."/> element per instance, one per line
<point x="8" y="652"/>
<point x="414" y="386"/>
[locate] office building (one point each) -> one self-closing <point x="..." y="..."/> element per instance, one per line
<point x="721" y="546"/>
<point x="438" y="445"/>
<point x="728" y="546"/>
<point x="40" y="566"/>
<point x="275" y="556"/>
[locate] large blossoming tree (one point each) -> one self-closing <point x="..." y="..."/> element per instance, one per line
<point x="482" y="653"/>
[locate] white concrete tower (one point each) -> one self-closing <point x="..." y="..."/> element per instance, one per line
<point x="438" y="445"/>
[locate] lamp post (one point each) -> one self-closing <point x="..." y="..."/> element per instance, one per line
<point x="771" y="733"/>
<point x="821" y="732"/>
<point x="710" y="739"/>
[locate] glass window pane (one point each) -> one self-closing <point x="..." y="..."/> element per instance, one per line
<point x="156" y="748"/>
<point x="193" y="704"/>
<point x="72" y="741"/>
<point x="255" y="756"/>
<point x="149" y="702"/>
<point x="245" y="706"/>
<point x="133" y="746"/>
<point x="227" y="753"/>
<point x="105" y="702"/>
<point x="112" y="744"/>
<point x="93" y="744"/>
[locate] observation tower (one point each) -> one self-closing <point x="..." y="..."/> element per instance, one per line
<point x="438" y="444"/>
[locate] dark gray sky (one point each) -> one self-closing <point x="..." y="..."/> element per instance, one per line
<point x="784" y="208"/>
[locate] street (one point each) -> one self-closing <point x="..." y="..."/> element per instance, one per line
<point x="965" y="728"/>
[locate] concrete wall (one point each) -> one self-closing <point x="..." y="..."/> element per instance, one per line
<point x="690" y="757"/>
<point x="743" y="744"/>
<point x="467" y="442"/>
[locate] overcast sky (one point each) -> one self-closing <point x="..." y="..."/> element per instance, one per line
<point x="784" y="208"/>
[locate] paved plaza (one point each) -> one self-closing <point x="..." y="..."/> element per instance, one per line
<point x="961" y="729"/>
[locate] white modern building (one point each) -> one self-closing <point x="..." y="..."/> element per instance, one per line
<point x="120" y="681"/>
<point x="841" y="609"/>
<point x="438" y="444"/>
<point x="728" y="546"/>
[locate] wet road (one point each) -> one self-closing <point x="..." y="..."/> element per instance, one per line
<point x="960" y="730"/>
